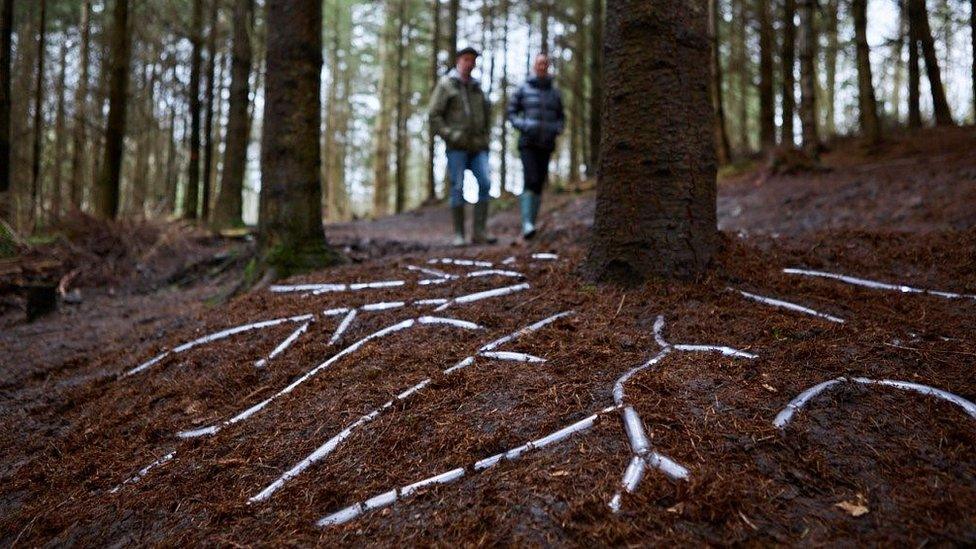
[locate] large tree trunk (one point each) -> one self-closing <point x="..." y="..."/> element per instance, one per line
<point x="767" y="97"/>
<point x="228" y="210"/>
<point x="831" y="54"/>
<point x="191" y="198"/>
<point x="808" y="79"/>
<point x="291" y="236"/>
<point x="38" y="117"/>
<point x="6" y="42"/>
<point x="722" y="148"/>
<point x="107" y="203"/>
<point x="208" y="133"/>
<point x="918" y="13"/>
<point x="655" y="210"/>
<point x="435" y="49"/>
<point x="80" y="139"/>
<point x="914" y="74"/>
<point x="596" y="86"/>
<point x="789" y="78"/>
<point x="868" y="105"/>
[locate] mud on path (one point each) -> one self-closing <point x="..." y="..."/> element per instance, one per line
<point x="91" y="456"/>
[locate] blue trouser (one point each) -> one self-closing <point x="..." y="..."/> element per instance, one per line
<point x="477" y="162"/>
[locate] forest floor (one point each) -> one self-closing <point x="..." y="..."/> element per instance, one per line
<point x="359" y="409"/>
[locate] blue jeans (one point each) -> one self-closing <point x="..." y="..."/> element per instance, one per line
<point x="477" y="162"/>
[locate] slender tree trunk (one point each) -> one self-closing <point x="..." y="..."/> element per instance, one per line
<point x="6" y="42"/>
<point x="453" y="13"/>
<point x="38" y="117"/>
<point x="80" y="139"/>
<point x="918" y="12"/>
<point x="345" y="114"/>
<point x="722" y="148"/>
<point x="191" y="198"/>
<point x="596" y="86"/>
<point x="208" y="133"/>
<point x="808" y="79"/>
<point x="830" y="65"/>
<point x="659" y="221"/>
<point x="503" y="171"/>
<point x="331" y="141"/>
<point x="107" y="204"/>
<point x="789" y="78"/>
<point x="172" y="177"/>
<point x="435" y="49"/>
<point x="400" y="184"/>
<point x="228" y="210"/>
<point x="141" y="183"/>
<point x="898" y="78"/>
<point x="914" y="73"/>
<point x="544" y="16"/>
<point x="59" y="137"/>
<point x="291" y="237"/>
<point x="740" y="64"/>
<point x="384" y="120"/>
<point x="868" y="105"/>
<point x="767" y="97"/>
<point x="972" y="39"/>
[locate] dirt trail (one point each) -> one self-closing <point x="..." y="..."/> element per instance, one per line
<point x="859" y="463"/>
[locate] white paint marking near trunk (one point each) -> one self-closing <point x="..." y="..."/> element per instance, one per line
<point x="878" y="285"/>
<point x="788" y="306"/>
<point x="291" y="339"/>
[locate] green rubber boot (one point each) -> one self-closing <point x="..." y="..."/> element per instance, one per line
<point x="526" y="201"/>
<point x="457" y="213"/>
<point x="480" y="234"/>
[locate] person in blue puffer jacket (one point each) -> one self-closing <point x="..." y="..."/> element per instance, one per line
<point x="536" y="111"/>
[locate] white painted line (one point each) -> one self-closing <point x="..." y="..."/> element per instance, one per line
<point x="470" y="298"/>
<point x="786" y="414"/>
<point x="144" y="471"/>
<point x="215" y="337"/>
<point x="283" y="345"/>
<point x="878" y="285"/>
<point x="460" y="262"/>
<point x="789" y="306"/>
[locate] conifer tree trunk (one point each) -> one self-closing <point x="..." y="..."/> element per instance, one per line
<point x="722" y="148"/>
<point x="808" y="79"/>
<point x="400" y="185"/>
<point x="596" y="86"/>
<point x="453" y="13"/>
<point x="831" y="20"/>
<point x="291" y="238"/>
<point x="384" y="122"/>
<point x="6" y="41"/>
<point x="80" y="139"/>
<point x="767" y="97"/>
<point x="107" y="203"/>
<point x="918" y="12"/>
<point x="59" y="137"/>
<point x="914" y="72"/>
<point x="208" y="133"/>
<point x="655" y="210"/>
<point x="228" y="209"/>
<point x="435" y="48"/>
<point x="503" y="169"/>
<point x="38" y="149"/>
<point x="868" y="105"/>
<point x="789" y="78"/>
<point x="191" y="198"/>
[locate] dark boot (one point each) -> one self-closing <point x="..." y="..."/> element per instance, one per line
<point x="480" y="234"/>
<point x="457" y="213"/>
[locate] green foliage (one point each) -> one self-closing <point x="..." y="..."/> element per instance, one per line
<point x="299" y="257"/>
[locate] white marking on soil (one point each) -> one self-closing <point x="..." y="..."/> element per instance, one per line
<point x="330" y="445"/>
<point x="144" y="471"/>
<point x="406" y="324"/>
<point x="878" y="285"/>
<point x="215" y="337"/>
<point x="390" y="497"/>
<point x="288" y="342"/>
<point x="789" y="306"/>
<point x="470" y="298"/>
<point x="786" y="414"/>
<point x="460" y="262"/>
<point x="545" y="256"/>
